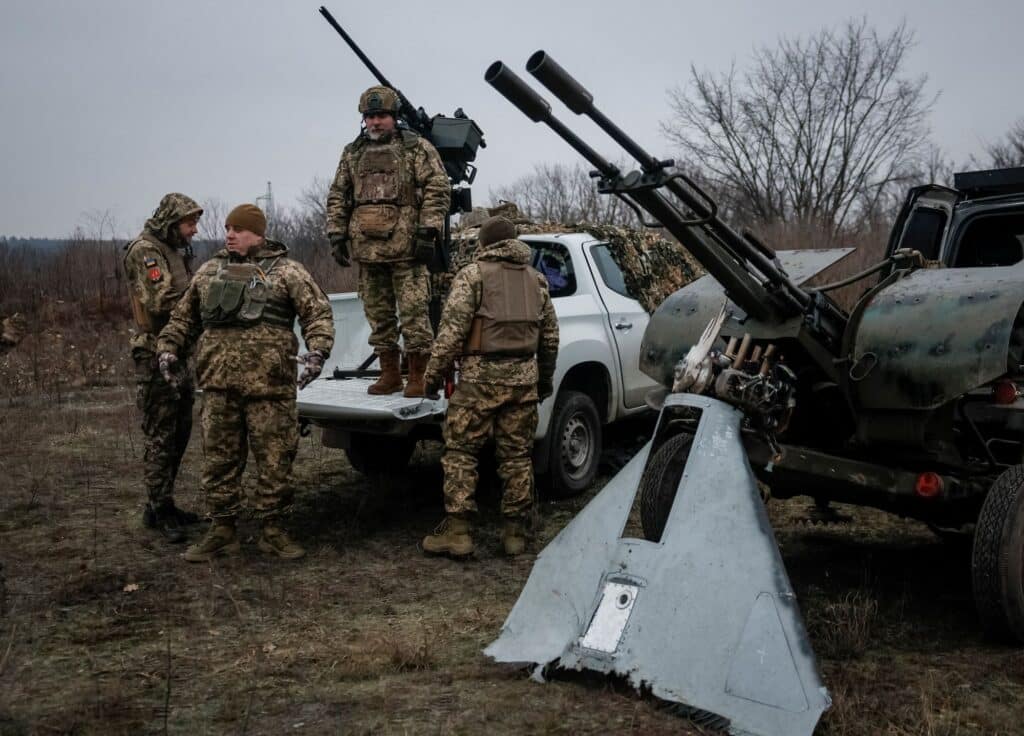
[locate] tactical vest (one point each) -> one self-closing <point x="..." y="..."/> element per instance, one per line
<point x="180" y="276"/>
<point x="381" y="184"/>
<point x="240" y="295"/>
<point x="507" y="323"/>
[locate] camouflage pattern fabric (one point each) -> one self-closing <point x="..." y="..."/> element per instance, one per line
<point x="652" y="267"/>
<point x="157" y="267"/>
<point x="234" y="423"/>
<point x="420" y="172"/>
<point x="12" y="331"/>
<point x="476" y="412"/>
<point x="460" y="307"/>
<point x="385" y="286"/>
<point x="166" y="426"/>
<point x="256" y="361"/>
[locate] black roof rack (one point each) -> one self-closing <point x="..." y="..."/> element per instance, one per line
<point x="990" y="182"/>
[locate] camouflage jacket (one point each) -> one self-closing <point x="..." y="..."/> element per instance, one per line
<point x="459" y="310"/>
<point x="259" y="360"/>
<point x="12" y="330"/>
<point x="157" y="269"/>
<point x="381" y="233"/>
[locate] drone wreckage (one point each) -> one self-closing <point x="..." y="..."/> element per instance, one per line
<point x="908" y="403"/>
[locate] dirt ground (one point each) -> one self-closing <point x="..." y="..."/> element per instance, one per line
<point x="104" y="629"/>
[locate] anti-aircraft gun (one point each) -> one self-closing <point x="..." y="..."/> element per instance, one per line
<point x="456" y="138"/>
<point x="910" y="402"/>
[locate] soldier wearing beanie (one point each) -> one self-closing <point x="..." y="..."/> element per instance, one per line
<point x="158" y="267"/>
<point x="243" y="302"/>
<point x="386" y="210"/>
<point x="499" y="323"/>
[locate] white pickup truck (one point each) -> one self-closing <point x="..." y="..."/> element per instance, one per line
<point x="597" y="378"/>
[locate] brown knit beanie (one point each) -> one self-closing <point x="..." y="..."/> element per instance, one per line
<point x="495" y="229"/>
<point x="248" y="217"/>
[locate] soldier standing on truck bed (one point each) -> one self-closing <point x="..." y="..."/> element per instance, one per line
<point x="157" y="267"/>
<point x="500" y="324"/>
<point x="245" y="300"/>
<point x="386" y="210"/>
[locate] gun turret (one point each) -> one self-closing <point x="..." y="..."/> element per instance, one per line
<point x="749" y="271"/>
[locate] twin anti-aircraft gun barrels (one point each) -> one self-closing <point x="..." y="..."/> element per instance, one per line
<point x="749" y="271"/>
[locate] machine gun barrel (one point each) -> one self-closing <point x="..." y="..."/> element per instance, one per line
<point x="790" y="297"/>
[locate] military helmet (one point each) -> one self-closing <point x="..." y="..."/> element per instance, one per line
<point x="378" y="99"/>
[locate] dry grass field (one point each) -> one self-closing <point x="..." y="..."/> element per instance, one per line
<point x="105" y="630"/>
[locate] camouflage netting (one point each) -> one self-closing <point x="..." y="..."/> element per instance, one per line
<point x="652" y="266"/>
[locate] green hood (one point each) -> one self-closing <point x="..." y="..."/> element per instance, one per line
<point x="173" y="208"/>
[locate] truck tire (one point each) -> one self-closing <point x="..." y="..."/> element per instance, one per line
<point x="659" y="484"/>
<point x="575" y="437"/>
<point x="373" y="453"/>
<point x="997" y="560"/>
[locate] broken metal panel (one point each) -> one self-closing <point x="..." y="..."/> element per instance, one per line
<point x="681" y="318"/>
<point x="706" y="617"/>
<point x="935" y="335"/>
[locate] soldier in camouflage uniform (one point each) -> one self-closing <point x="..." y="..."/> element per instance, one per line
<point x="245" y="300"/>
<point x="386" y="210"/>
<point x="157" y="267"/>
<point x="12" y="331"/>
<point x="500" y="324"/>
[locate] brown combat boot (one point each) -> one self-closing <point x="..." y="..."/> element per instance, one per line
<point x="513" y="537"/>
<point x="220" y="538"/>
<point x="450" y="538"/>
<point x="275" y="540"/>
<point x="390" y="379"/>
<point x="415" y="388"/>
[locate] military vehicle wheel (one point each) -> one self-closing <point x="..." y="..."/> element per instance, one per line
<point x="575" y="436"/>
<point x="997" y="562"/>
<point x="659" y="484"/>
<point x="370" y="453"/>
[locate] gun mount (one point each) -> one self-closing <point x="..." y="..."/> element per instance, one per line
<point x="911" y="402"/>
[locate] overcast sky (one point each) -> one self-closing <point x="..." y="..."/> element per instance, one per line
<point x="108" y="104"/>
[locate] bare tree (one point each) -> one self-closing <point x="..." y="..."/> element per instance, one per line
<point x="1008" y="152"/>
<point x="818" y="130"/>
<point x="566" y="194"/>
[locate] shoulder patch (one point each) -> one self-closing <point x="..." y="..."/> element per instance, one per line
<point x="155" y="274"/>
<point x="149" y="262"/>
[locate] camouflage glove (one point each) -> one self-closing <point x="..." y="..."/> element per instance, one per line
<point x="423" y="245"/>
<point x="13" y="329"/>
<point x="313" y="364"/>
<point x="432" y="384"/>
<point x="544" y="389"/>
<point x="339" y="248"/>
<point x="168" y="364"/>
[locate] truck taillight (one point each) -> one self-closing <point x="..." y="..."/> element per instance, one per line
<point x="928" y="485"/>
<point x="1005" y="392"/>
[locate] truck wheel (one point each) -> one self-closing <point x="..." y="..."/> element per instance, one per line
<point x="575" y="437"/>
<point x="371" y="453"/>
<point x="997" y="561"/>
<point x="660" y="482"/>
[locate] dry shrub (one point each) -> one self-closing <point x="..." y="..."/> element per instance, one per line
<point x="845" y="629"/>
<point x="414" y="652"/>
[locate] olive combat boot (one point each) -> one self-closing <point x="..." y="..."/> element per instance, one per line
<point x="513" y="537"/>
<point x="450" y="538"/>
<point x="275" y="540"/>
<point x="164" y="519"/>
<point x="220" y="538"/>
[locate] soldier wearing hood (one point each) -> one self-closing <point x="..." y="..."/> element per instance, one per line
<point x="499" y="323"/>
<point x="386" y="210"/>
<point x="157" y="266"/>
<point x="244" y="302"/>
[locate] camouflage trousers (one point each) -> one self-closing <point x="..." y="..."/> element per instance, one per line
<point x="476" y="412"/>
<point x="232" y="425"/>
<point x="166" y="426"/>
<point x="396" y="297"/>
